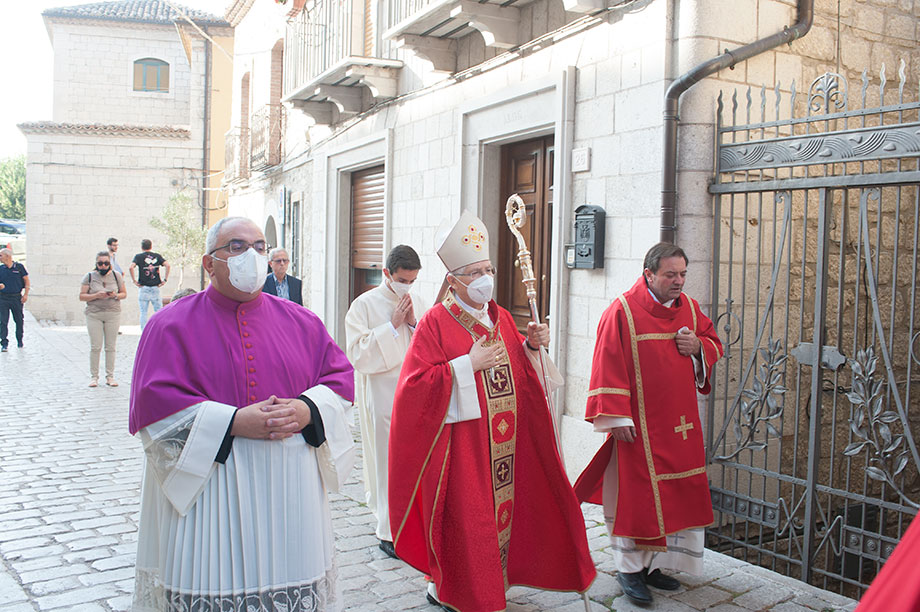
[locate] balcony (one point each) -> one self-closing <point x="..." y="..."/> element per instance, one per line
<point x="427" y="26"/>
<point x="267" y="136"/>
<point x="328" y="71"/>
<point x="236" y="166"/>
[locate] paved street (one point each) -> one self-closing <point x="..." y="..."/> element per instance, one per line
<point x="69" y="483"/>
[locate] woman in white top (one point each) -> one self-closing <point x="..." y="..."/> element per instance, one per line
<point x="102" y="289"/>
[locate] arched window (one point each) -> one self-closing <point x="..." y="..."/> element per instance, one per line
<point x="151" y="75"/>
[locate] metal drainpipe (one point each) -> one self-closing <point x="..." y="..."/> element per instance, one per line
<point x="728" y="59"/>
<point x="206" y="144"/>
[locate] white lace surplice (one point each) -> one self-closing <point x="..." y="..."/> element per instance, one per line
<point x="252" y="535"/>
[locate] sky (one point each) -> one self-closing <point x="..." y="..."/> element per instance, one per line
<point x="27" y="68"/>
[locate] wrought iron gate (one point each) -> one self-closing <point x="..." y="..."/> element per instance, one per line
<point x="814" y="466"/>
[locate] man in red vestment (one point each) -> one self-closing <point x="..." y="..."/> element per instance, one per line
<point x="655" y="349"/>
<point x="478" y="497"/>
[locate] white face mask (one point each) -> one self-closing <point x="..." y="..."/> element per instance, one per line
<point x="247" y="270"/>
<point x="480" y="290"/>
<point x="400" y="289"/>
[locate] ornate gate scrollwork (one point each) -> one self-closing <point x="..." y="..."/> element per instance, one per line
<point x="871" y="425"/>
<point x="815" y="471"/>
<point x="761" y="403"/>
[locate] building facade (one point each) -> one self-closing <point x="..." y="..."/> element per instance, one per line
<point x="400" y="115"/>
<point x="792" y="192"/>
<point x="141" y="105"/>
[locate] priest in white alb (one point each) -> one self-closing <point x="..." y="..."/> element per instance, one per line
<point x="378" y="327"/>
<point x="240" y="400"/>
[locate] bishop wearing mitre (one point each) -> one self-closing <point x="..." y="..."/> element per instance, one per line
<point x="478" y="497"/>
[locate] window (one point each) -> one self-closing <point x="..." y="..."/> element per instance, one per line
<point x="151" y="75"/>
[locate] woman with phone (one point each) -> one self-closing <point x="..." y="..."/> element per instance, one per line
<point x="101" y="289"/>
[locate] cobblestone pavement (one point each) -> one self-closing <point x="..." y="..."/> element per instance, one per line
<point x="69" y="484"/>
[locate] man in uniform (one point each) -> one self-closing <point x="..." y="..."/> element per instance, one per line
<point x="14" y="291"/>
<point x="478" y="496"/>
<point x="655" y="349"/>
<point x="241" y="401"/>
<point x="378" y="328"/>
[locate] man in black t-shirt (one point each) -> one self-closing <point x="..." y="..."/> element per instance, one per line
<point x="148" y="265"/>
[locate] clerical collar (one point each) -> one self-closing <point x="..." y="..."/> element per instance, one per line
<point x="481" y="314"/>
<point x="224" y="302"/>
<point x="667" y="304"/>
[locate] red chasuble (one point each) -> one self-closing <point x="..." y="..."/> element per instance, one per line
<point x="638" y="373"/>
<point x="482" y="504"/>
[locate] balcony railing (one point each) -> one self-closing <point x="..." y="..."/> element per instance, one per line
<point x="401" y="10"/>
<point x="231" y="155"/>
<point x="427" y="26"/>
<point x="319" y="38"/>
<point x="267" y="136"/>
<point x="236" y="163"/>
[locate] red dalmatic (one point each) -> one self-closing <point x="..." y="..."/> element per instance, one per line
<point x="638" y="373"/>
<point x="483" y="504"/>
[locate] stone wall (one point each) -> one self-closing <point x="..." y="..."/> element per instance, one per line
<point x="81" y="191"/>
<point x="84" y="185"/>
<point x="94" y="74"/>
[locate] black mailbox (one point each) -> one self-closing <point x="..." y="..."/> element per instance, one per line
<point x="588" y="249"/>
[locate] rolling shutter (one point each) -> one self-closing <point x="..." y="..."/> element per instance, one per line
<point x="367" y="187"/>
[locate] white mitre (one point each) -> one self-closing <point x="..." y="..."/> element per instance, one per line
<point x="464" y="243"/>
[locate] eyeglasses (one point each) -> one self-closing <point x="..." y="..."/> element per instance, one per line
<point x="280" y="260"/>
<point x="103" y="263"/>
<point x="241" y="246"/>
<point x="477" y="273"/>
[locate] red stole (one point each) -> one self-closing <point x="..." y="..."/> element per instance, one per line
<point x="638" y="373"/>
<point x="482" y="504"/>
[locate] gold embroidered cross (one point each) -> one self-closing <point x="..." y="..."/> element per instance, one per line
<point x="684" y="427"/>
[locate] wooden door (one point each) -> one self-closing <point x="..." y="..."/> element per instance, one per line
<point x="527" y="170"/>
<point x="367" y="200"/>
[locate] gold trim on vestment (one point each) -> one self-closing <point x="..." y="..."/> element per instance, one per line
<point x="689" y="528"/>
<point x="434" y="508"/>
<point x="715" y="346"/>
<point x="665" y="336"/>
<point x="422" y="471"/>
<point x="679" y="475"/>
<point x="692" y="309"/>
<point x="609" y="391"/>
<point x="501" y="403"/>
<point x="616" y="416"/>
<point x="661" y="549"/>
<point x="640" y="393"/>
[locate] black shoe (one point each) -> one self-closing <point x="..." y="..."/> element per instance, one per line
<point x="434" y="602"/>
<point x="431" y="598"/>
<point x="3" y="349"/>
<point x="19" y="345"/>
<point x="634" y="587"/>
<point x="387" y="547"/>
<point x="658" y="580"/>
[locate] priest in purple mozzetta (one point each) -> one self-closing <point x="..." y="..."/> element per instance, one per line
<point x="241" y="400"/>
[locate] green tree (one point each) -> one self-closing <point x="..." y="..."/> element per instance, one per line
<point x="185" y="236"/>
<point x="13" y="187"/>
